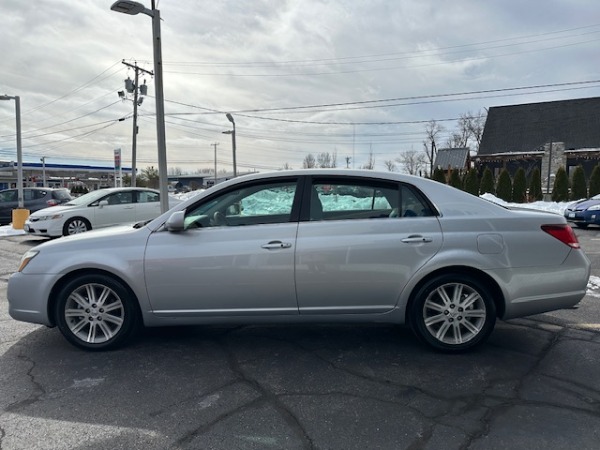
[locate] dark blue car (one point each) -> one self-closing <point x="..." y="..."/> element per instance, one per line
<point x="34" y="198"/>
<point x="584" y="212"/>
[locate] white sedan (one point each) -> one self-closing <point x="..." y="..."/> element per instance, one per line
<point x="97" y="209"/>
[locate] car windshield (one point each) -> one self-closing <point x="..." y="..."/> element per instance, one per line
<point x="88" y="198"/>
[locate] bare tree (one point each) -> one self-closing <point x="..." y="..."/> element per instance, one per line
<point x="476" y="126"/>
<point x="457" y="140"/>
<point x="370" y="164"/>
<point x="390" y="165"/>
<point x="286" y="166"/>
<point x="327" y="160"/>
<point x="309" y="162"/>
<point x="412" y="161"/>
<point x="470" y="131"/>
<point x="324" y="160"/>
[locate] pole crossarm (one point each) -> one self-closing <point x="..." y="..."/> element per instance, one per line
<point x="135" y="67"/>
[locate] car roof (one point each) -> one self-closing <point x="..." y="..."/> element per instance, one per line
<point x="118" y="189"/>
<point x="37" y="188"/>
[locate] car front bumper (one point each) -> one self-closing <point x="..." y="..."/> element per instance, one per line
<point x="583" y="217"/>
<point x="43" y="228"/>
<point x="28" y="297"/>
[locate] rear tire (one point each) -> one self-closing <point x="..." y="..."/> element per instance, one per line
<point x="96" y="312"/>
<point x="453" y="313"/>
<point x="581" y="225"/>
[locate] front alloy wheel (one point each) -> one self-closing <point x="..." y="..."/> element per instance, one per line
<point x="95" y="312"/>
<point x="453" y="313"/>
<point x="76" y="225"/>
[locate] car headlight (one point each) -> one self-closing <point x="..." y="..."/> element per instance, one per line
<point x="594" y="208"/>
<point x="26" y="259"/>
<point x="52" y="217"/>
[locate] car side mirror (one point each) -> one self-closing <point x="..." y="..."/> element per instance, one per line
<point x="102" y="203"/>
<point x="176" y="221"/>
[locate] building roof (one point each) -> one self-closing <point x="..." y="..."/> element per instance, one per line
<point x="527" y="127"/>
<point x="454" y="158"/>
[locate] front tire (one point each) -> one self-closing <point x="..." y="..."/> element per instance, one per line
<point x="453" y="313"/>
<point x="96" y="312"/>
<point x="76" y="225"/>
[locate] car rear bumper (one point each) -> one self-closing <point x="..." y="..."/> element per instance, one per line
<point x="540" y="289"/>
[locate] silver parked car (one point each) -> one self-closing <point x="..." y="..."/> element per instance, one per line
<point x="308" y="246"/>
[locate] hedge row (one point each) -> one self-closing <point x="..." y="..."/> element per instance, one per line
<point x="521" y="190"/>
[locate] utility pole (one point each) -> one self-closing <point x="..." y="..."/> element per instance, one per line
<point x="215" y="146"/>
<point x="433" y="153"/>
<point x="133" y="87"/>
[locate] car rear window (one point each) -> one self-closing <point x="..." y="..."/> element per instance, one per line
<point x="61" y="194"/>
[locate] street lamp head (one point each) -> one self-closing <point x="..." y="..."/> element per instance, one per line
<point x="6" y="97"/>
<point x="230" y="118"/>
<point x="227" y="132"/>
<point x="128" y="7"/>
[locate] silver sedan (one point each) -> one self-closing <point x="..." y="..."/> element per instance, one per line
<point x="308" y="246"/>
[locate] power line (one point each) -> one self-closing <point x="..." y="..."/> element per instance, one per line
<point x="379" y="69"/>
<point x="353" y="58"/>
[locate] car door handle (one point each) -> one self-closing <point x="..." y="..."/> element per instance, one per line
<point x="416" y="239"/>
<point x="128" y="207"/>
<point x="273" y="245"/>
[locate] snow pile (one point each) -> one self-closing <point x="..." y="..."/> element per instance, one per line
<point x="555" y="207"/>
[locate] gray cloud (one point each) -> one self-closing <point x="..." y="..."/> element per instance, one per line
<point x="63" y="59"/>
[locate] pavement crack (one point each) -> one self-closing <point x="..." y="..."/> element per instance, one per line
<point x="39" y="390"/>
<point x="494" y="411"/>
<point x="265" y="397"/>
<point x="2" y="435"/>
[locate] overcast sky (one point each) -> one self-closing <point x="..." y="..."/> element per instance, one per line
<point x="299" y="76"/>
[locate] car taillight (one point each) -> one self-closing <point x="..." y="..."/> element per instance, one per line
<point x="563" y="233"/>
<point x="51" y="202"/>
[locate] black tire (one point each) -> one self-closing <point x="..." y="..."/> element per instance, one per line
<point x="581" y="225"/>
<point x="76" y="225"/>
<point x="453" y="313"/>
<point x="96" y="312"/>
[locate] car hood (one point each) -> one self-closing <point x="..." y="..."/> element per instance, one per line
<point x="52" y="210"/>
<point x="98" y="239"/>
<point x="583" y="204"/>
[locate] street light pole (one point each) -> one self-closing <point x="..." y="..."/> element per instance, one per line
<point x="43" y="160"/>
<point x="215" y="146"/>
<point x="133" y="8"/>
<point x="230" y="118"/>
<point x="17" y="100"/>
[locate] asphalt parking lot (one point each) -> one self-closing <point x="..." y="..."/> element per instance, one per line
<point x="534" y="385"/>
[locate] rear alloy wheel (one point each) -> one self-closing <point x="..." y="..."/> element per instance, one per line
<point x="76" y="225"/>
<point x="96" y="312"/>
<point x="453" y="313"/>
